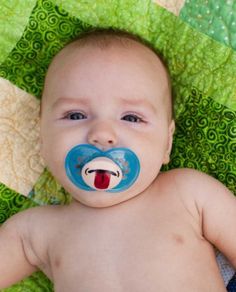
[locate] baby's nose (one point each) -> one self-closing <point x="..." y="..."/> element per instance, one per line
<point x="102" y="135"/>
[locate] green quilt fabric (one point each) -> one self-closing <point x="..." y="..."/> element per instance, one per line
<point x="198" y="46"/>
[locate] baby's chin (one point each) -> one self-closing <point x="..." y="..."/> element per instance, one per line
<point x="102" y="199"/>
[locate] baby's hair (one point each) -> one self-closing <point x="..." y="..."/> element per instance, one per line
<point x="104" y="37"/>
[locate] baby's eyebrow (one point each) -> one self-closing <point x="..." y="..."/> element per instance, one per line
<point x="140" y="102"/>
<point x="69" y="100"/>
<point x="132" y="102"/>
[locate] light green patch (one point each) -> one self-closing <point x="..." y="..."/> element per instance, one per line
<point x="13" y="19"/>
<point x="48" y="192"/>
<point x="126" y="14"/>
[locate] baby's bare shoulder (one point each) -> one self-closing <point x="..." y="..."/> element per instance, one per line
<point x="190" y="179"/>
<point x="216" y="207"/>
<point x="35" y="217"/>
<point x="34" y="223"/>
<point x="36" y="228"/>
<point x="181" y="174"/>
<point x="194" y="185"/>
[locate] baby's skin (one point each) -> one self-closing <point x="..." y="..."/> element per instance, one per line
<point x="161" y="240"/>
<point x="158" y="235"/>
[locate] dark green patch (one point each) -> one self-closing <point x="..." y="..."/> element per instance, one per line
<point x="205" y="138"/>
<point x="48" y="30"/>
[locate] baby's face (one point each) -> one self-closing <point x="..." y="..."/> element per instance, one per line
<point x="112" y="97"/>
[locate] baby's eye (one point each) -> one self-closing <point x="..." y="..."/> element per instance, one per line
<point x="132" y="118"/>
<point x="75" y="116"/>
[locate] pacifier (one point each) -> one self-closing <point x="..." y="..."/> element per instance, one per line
<point x="92" y="169"/>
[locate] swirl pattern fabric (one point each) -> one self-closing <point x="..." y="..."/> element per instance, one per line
<point x="48" y="29"/>
<point x="206" y="138"/>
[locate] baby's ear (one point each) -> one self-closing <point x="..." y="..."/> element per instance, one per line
<point x="171" y="131"/>
<point x="42" y="151"/>
<point x="40" y="132"/>
<point x="41" y="145"/>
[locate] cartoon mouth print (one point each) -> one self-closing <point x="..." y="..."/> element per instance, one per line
<point x="92" y="169"/>
<point x="101" y="173"/>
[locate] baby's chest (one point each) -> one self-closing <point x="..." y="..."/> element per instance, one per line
<point x="131" y="255"/>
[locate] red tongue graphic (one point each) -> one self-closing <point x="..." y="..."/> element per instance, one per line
<point x="102" y="179"/>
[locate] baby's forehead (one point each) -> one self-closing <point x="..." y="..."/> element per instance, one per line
<point x="114" y="48"/>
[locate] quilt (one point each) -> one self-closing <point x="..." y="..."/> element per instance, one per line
<point x="197" y="39"/>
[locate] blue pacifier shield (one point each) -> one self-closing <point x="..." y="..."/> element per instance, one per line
<point x="92" y="169"/>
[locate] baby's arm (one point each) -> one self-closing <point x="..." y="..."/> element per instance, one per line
<point x="219" y="219"/>
<point x="217" y="209"/>
<point x="14" y="265"/>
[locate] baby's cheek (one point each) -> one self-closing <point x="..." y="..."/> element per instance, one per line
<point x="151" y="167"/>
<point x="52" y="154"/>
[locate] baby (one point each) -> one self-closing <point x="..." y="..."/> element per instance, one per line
<point x="106" y="130"/>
